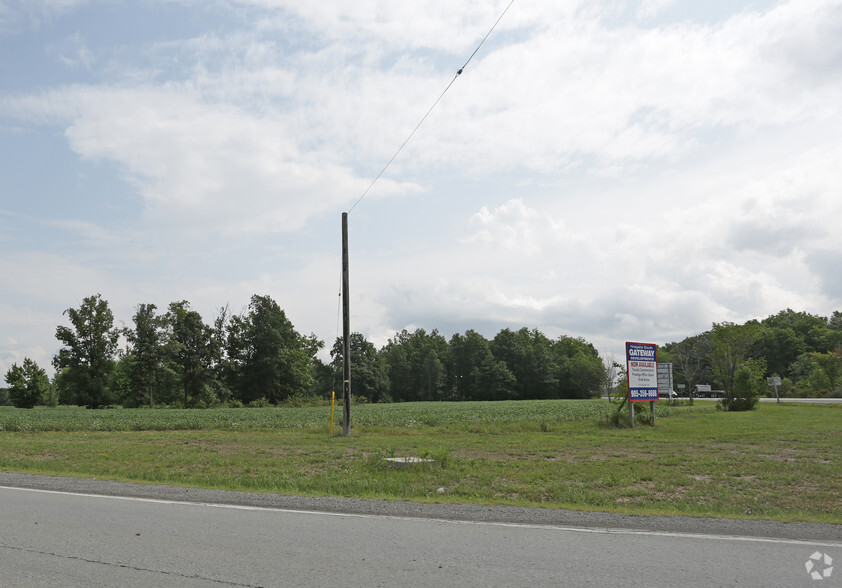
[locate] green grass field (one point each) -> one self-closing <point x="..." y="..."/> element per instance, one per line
<point x="779" y="462"/>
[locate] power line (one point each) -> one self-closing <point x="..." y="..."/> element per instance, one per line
<point x="458" y="73"/>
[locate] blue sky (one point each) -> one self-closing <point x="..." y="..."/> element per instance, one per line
<point x="615" y="170"/>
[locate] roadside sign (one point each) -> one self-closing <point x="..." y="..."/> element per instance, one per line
<point x="642" y="371"/>
<point x="665" y="380"/>
<point x="775" y="381"/>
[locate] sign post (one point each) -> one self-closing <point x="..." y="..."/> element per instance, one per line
<point x="775" y="381"/>
<point x="642" y="373"/>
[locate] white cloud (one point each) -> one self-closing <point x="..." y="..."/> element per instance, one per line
<point x="209" y="165"/>
<point x="420" y="24"/>
<point x="650" y="8"/>
<point x="640" y="177"/>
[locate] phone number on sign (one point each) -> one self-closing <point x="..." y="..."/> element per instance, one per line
<point x="644" y="393"/>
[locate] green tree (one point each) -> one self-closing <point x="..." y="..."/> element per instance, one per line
<point x="780" y="346"/>
<point x="747" y="387"/>
<point x="528" y="356"/>
<point x="369" y="372"/>
<point x="190" y="351"/>
<point x="831" y="367"/>
<point x="731" y="345"/>
<point x="817" y="374"/>
<point x="788" y="334"/>
<point x="88" y="353"/>
<point x="474" y="372"/>
<point x="146" y="354"/>
<point x="28" y="384"/>
<point x="326" y="379"/>
<point x="731" y="348"/>
<point x="580" y="372"/>
<point x="416" y="365"/>
<point x="267" y="357"/>
<point x="834" y="323"/>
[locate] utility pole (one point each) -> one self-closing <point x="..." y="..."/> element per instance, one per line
<point x="346" y="334"/>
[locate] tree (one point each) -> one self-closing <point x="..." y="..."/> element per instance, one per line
<point x="830" y="365"/>
<point x="28" y="384"/>
<point x="267" y="357"/>
<point x="691" y="359"/>
<point x="416" y="365"/>
<point x="87" y="358"/>
<point x="612" y="373"/>
<point x="146" y="353"/>
<point x="788" y="334"/>
<point x="834" y="323"/>
<point x="325" y="379"/>
<point x="747" y="387"/>
<point x="528" y="355"/>
<point x="817" y="374"/>
<point x="369" y="372"/>
<point x="731" y="345"/>
<point x="474" y="372"/>
<point x="190" y="350"/>
<point x="579" y="371"/>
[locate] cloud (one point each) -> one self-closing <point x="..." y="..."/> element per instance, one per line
<point x="514" y="227"/>
<point x="825" y="264"/>
<point x="607" y="170"/>
<point x="422" y="24"/>
<point x="213" y="166"/>
<point x="32" y="13"/>
<point x="577" y="93"/>
<point x="651" y="8"/>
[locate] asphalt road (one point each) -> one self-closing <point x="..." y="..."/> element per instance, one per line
<point x="69" y="532"/>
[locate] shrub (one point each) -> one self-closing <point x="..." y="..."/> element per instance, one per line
<point x="746" y="392"/>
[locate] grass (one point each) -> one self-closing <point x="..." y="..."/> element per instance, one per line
<point x="780" y="462"/>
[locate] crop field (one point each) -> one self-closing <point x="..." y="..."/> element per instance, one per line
<point x="412" y="415"/>
<point x="780" y="462"/>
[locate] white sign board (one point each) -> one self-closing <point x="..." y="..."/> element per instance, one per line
<point x="642" y="371"/>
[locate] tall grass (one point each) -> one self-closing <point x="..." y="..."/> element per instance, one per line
<point x="400" y="415"/>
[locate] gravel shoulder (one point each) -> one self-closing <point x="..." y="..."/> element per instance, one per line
<point x="459" y="512"/>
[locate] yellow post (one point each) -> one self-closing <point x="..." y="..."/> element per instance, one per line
<point x="332" y="400"/>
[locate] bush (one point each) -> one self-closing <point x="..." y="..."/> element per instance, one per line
<point x="746" y="392"/>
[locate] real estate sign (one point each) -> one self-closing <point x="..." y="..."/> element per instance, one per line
<point x="642" y="371"/>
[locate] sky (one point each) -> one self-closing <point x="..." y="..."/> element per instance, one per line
<point x="617" y="170"/>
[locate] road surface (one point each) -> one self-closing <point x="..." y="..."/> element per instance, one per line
<point x="59" y="538"/>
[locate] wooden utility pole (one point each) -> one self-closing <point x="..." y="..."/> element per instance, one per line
<point x="346" y="334"/>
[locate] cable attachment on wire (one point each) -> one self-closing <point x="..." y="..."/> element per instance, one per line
<point x="458" y="73"/>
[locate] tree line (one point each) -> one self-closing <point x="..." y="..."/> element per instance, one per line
<point x="172" y="357"/>
<point x="256" y="358"/>
<point x="802" y="349"/>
